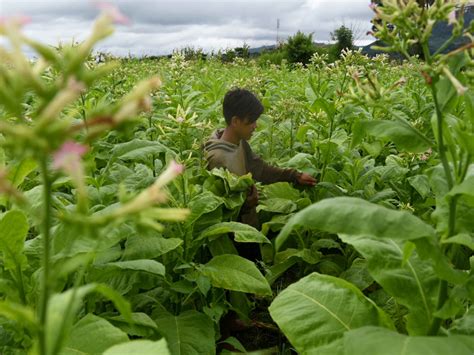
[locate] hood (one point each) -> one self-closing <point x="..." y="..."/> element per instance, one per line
<point x="215" y="142"/>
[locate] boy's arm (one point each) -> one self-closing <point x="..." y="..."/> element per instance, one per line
<point x="269" y="174"/>
<point x="266" y="173"/>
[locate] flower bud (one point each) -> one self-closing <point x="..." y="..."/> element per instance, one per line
<point x="173" y="170"/>
<point x="62" y="99"/>
<point x="456" y="83"/>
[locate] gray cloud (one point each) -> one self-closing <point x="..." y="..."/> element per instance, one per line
<point x="160" y="26"/>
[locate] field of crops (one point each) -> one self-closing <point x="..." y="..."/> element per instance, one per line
<point x="107" y="245"/>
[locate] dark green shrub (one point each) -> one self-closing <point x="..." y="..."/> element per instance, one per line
<point x="300" y="48"/>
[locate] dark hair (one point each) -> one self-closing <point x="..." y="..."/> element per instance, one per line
<point x="243" y="104"/>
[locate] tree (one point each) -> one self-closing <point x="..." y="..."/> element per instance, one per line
<point x="242" y="52"/>
<point x="344" y="40"/>
<point x="300" y="48"/>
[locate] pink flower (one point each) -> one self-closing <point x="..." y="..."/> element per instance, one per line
<point x="172" y="171"/>
<point x="68" y="157"/>
<point x="180" y="119"/>
<point x="176" y="168"/>
<point x="114" y="12"/>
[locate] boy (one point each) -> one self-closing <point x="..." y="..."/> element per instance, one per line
<point x="228" y="148"/>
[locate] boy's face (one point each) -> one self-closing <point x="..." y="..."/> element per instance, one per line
<point x="243" y="127"/>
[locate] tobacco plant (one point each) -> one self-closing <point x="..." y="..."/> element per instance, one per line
<point x="52" y="240"/>
<point x="381" y="246"/>
<point x="420" y="263"/>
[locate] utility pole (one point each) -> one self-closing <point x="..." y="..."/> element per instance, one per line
<point x="278" y="32"/>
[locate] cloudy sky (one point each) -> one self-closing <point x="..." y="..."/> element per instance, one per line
<point x="159" y="26"/>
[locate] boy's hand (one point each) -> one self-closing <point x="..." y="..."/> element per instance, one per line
<point x="252" y="197"/>
<point x="306" y="179"/>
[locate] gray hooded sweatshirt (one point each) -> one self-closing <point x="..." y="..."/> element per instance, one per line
<point x="240" y="160"/>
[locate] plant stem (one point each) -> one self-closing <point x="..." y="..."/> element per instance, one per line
<point x="69" y="309"/>
<point x="46" y="226"/>
<point x="21" y="285"/>
<point x="328" y="151"/>
<point x="83" y="112"/>
<point x="464" y="169"/>
<point x="443" y="286"/>
<point x="441" y="146"/>
<point x="444" y="161"/>
<point x="291" y="136"/>
<point x="442" y="296"/>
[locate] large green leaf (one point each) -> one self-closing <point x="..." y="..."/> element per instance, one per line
<point x="281" y="190"/>
<point x="222" y="245"/>
<point x="149" y="247"/>
<point x="429" y="249"/>
<point x="142" y="325"/>
<point x="465" y="324"/>
<point x="13" y="231"/>
<point x="140" y="347"/>
<point x="232" y="182"/>
<point x="18" y="174"/>
<point x="145" y="265"/>
<point x="318" y="309"/>
<point x="376" y="340"/>
<point x="402" y="133"/>
<point x="411" y="282"/>
<point x="123" y="276"/>
<point x="243" y="233"/>
<point x="201" y="204"/>
<point x="277" y="205"/>
<point x="19" y="313"/>
<point x="63" y="307"/>
<point x="358" y="274"/>
<point x="464" y="205"/>
<point x="462" y="239"/>
<point x="322" y="104"/>
<point x="235" y="273"/>
<point x="93" y="335"/>
<point x="138" y="149"/>
<point x="421" y="184"/>
<point x="465" y="188"/>
<point x="355" y="216"/>
<point x="141" y="178"/>
<point x="302" y="161"/>
<point x="277" y="270"/>
<point x="189" y="333"/>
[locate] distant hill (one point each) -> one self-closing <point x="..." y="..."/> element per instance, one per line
<point x="259" y="50"/>
<point x="441" y="33"/>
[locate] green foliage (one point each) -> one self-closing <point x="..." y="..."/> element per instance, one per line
<point x="13" y="230"/>
<point x="344" y="40"/>
<point x="300" y="48"/>
<point x="232" y="272"/>
<point x="316" y="311"/>
<point x="379" y="340"/>
<point x="386" y="236"/>
<point x="144" y="347"/>
<point x="84" y="336"/>
<point x="189" y="333"/>
<point x="362" y="218"/>
<point x="273" y="57"/>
